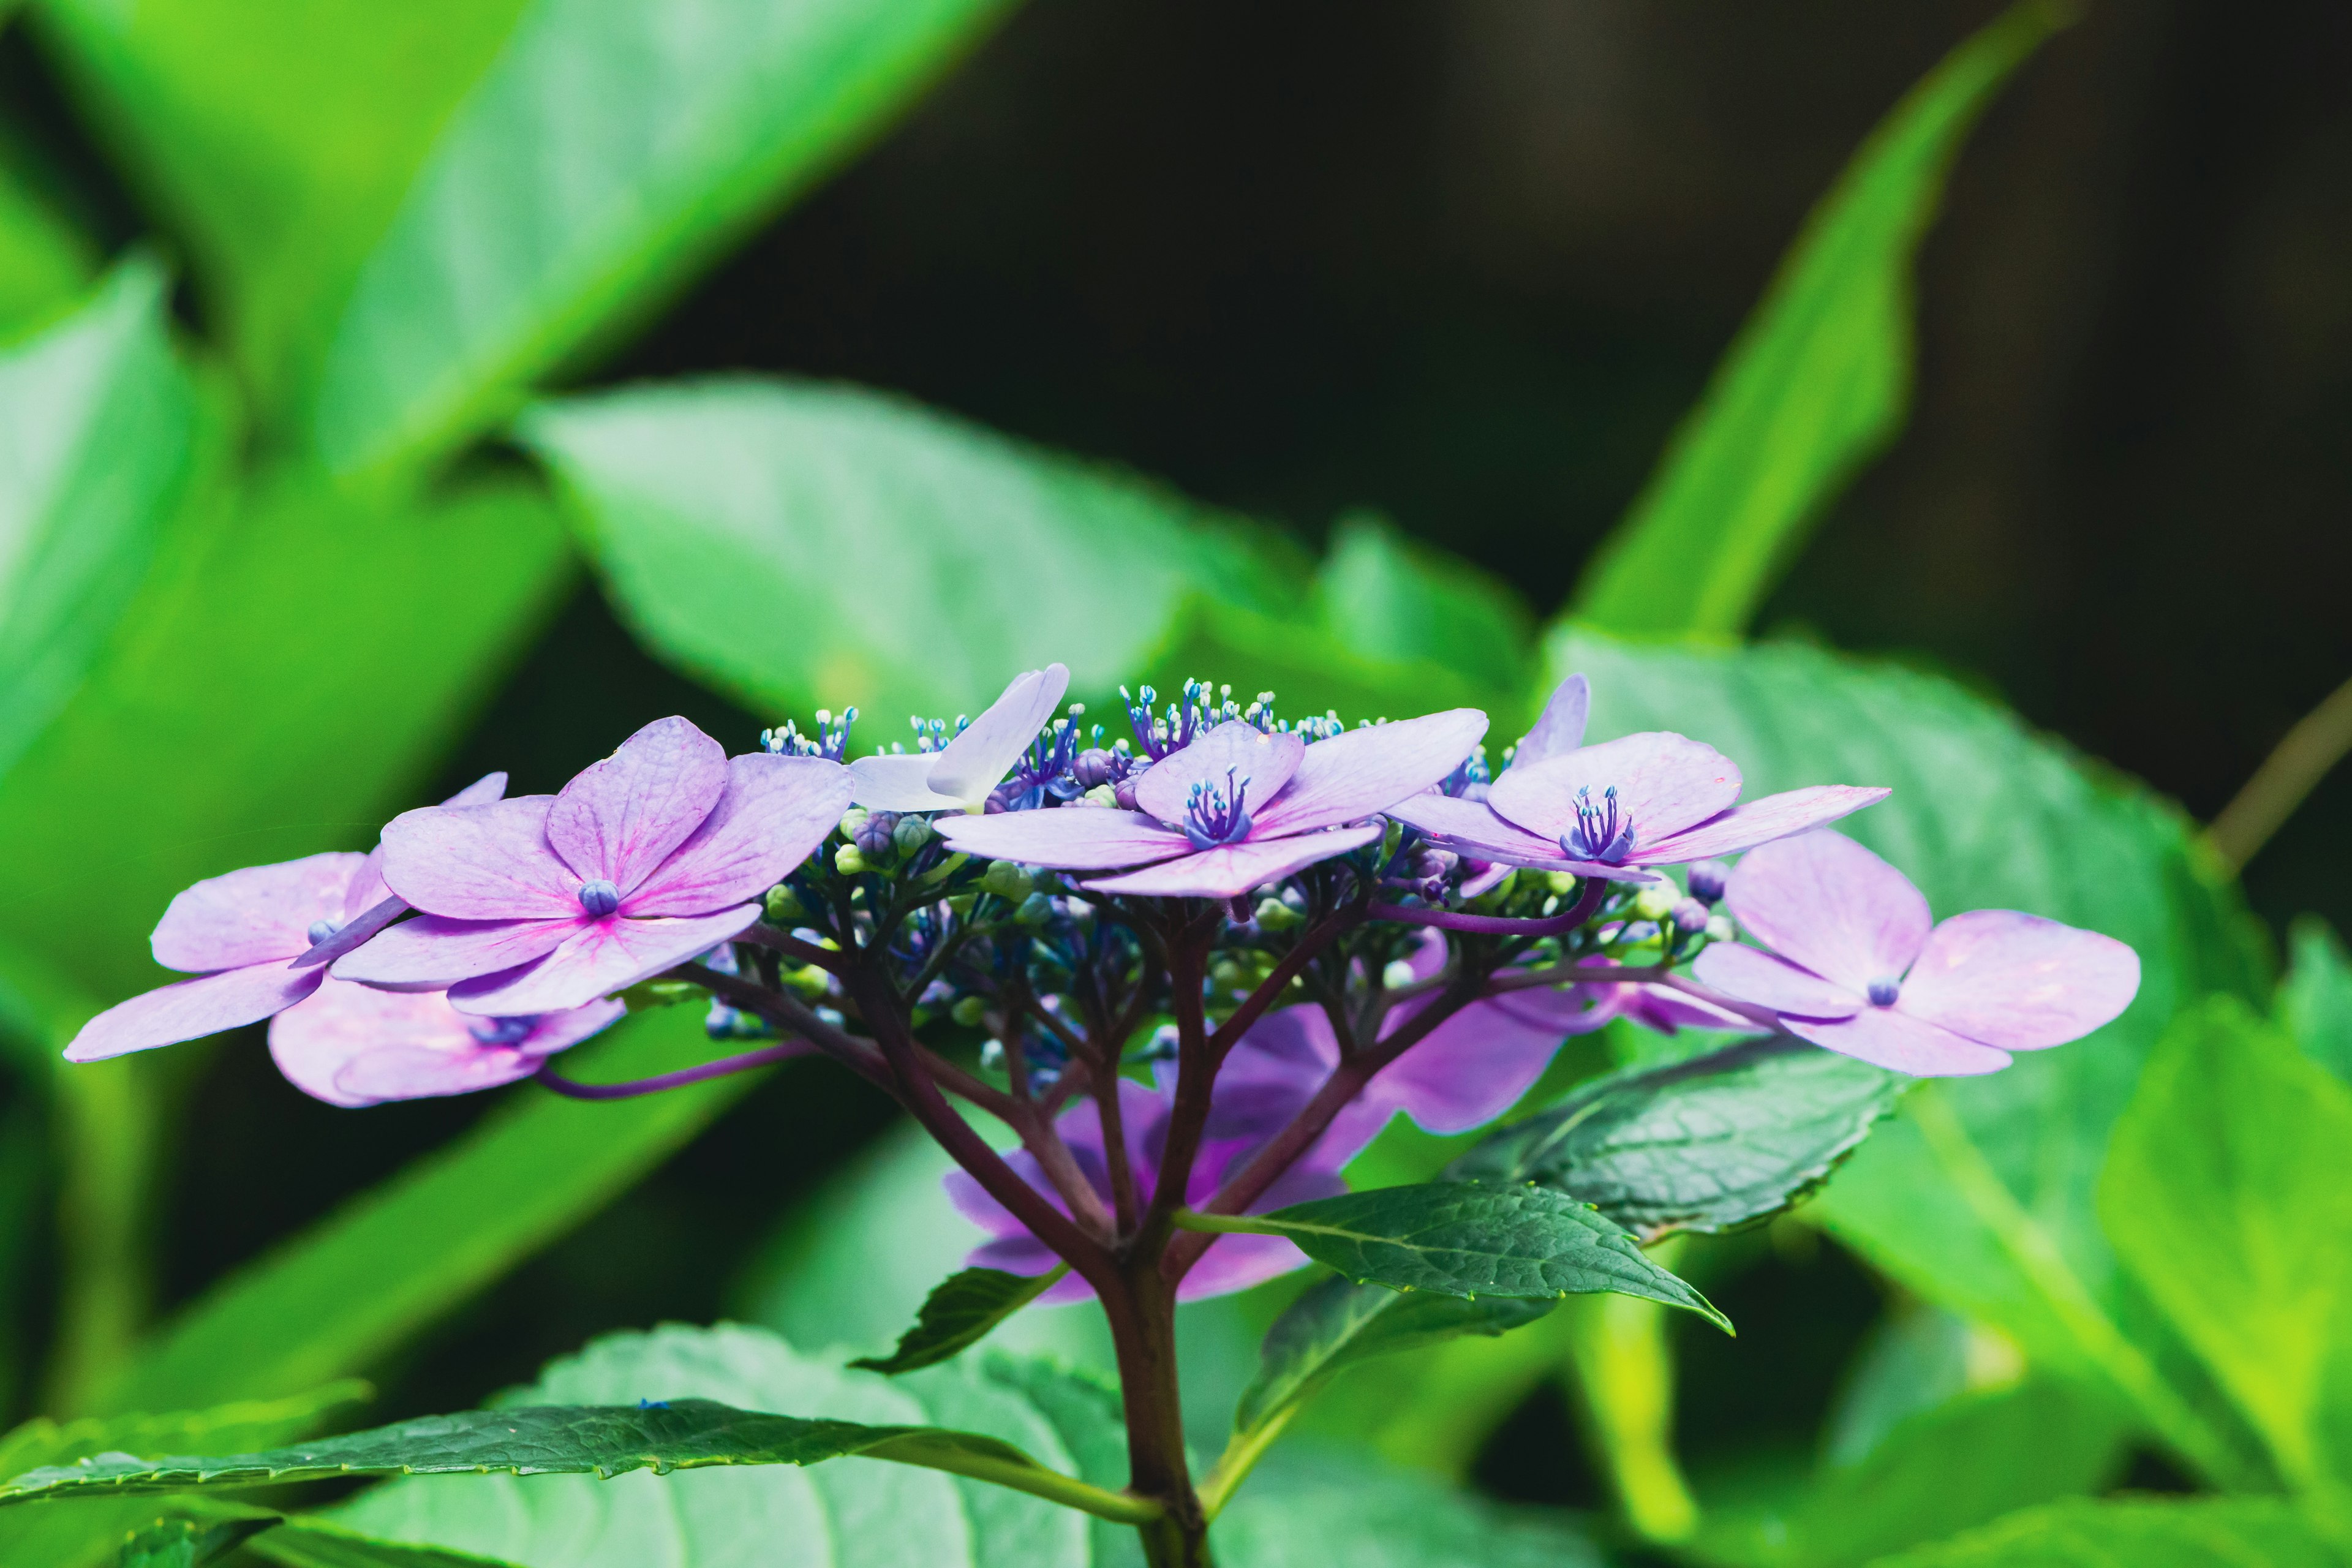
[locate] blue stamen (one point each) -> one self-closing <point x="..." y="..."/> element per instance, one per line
<point x="1599" y="833"/>
<point x="1213" y="816"/>
<point x="502" y="1031"/>
<point x="321" y="930"/>
<point x="599" y="897"/>
<point x="1882" y="991"/>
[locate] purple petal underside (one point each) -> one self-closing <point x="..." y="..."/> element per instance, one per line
<point x="253" y="915"/>
<point x="1559" y="729"/>
<point x="1231" y="869"/>
<point x="1071" y="838"/>
<point x="1233" y="1263"/>
<point x="1265" y="762"/>
<point x="899" y="781"/>
<point x="349" y="936"/>
<point x="431" y="954"/>
<point x="976" y="760"/>
<point x="1665" y="783"/>
<point x="1468" y="1070"/>
<point x="480" y="862"/>
<point x="1743" y="827"/>
<point x="191" y="1009"/>
<point x="1470" y="827"/>
<point x="620" y="818"/>
<point x="368" y="889"/>
<point x="1823" y="902"/>
<point x="1886" y="1038"/>
<point x="1350" y="777"/>
<point x="773" y="812"/>
<point x="2018" y="981"/>
<point x="354" y="1046"/>
<point x="1752" y="975"/>
<point x="601" y="958"/>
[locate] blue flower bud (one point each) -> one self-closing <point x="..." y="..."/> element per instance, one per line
<point x="876" y="837"/>
<point x="1690" y="916"/>
<point x="1094" y="768"/>
<point x="321" y="930"/>
<point x="599" y="897"/>
<point x="912" y="834"/>
<point x="1884" y="991"/>
<point x="1124" y="792"/>
<point x="1707" y="880"/>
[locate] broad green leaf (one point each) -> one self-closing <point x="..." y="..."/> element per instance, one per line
<point x="103" y="437"/>
<point x="45" y="261"/>
<point x="798" y="544"/>
<point x="1979" y="1194"/>
<point x="1384" y="597"/>
<point x="1469" y="1239"/>
<point x="398" y="1258"/>
<point x="2184" y="1533"/>
<point x="1316" y="1511"/>
<point x="957" y="1314"/>
<point x="2225" y="1194"/>
<point x="1705" y="1145"/>
<point x="187" y="1544"/>
<point x="301" y="1541"/>
<point x="1818" y="379"/>
<point x="611" y="146"/>
<point x="2315" y="1000"/>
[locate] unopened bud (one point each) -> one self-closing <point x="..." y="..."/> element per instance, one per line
<point x="1429" y="863"/>
<point x="1656" y="900"/>
<point x="1094" y="767"/>
<point x="847" y="860"/>
<point x="1707" y="880"/>
<point x="1124" y="793"/>
<point x="784" y="907"/>
<point x="912" y="834"/>
<point x="1273" y="914"/>
<point x="1691" y="917"/>
<point x="852" y="820"/>
<point x="1034" y="911"/>
<point x="1007" y="880"/>
<point x="968" y="1011"/>
<point x="1559" y="883"/>
<point x="1720" y="929"/>
<point x="991" y="1055"/>
<point x="874" y="835"/>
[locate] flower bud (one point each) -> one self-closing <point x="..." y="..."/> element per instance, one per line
<point x="784" y="907"/>
<point x="1559" y="883"/>
<point x="1124" y="793"/>
<point x="847" y="860"/>
<point x="912" y="834"/>
<point x="1007" y="880"/>
<point x="991" y="1055"/>
<point x="1720" y="929"/>
<point x="1691" y="917"/>
<point x="852" y="820"/>
<point x="1034" y="911"/>
<point x="968" y="1011"/>
<point x="1707" y="880"/>
<point x="1429" y="863"/>
<point x="1656" y="900"/>
<point x="1093" y="768"/>
<point x="1273" y="914"/>
<point x="874" y="835"/>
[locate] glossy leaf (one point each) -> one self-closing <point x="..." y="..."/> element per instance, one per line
<point x="1705" y="1145"/>
<point x="1384" y="597"/>
<point x="2185" y="1532"/>
<point x="1979" y="1194"/>
<point x="2225" y="1194"/>
<point x="745" y="528"/>
<point x="1315" y="1512"/>
<point x="2315" y="1000"/>
<point x="610" y="147"/>
<point x="957" y="1314"/>
<point x="301" y="1541"/>
<point x="1818" y="379"/>
<point x="185" y="1543"/>
<point x="1471" y="1240"/>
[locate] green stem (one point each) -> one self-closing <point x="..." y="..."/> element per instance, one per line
<point x="1119" y="1508"/>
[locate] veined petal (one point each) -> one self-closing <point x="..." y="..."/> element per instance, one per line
<point x="602" y="957"/>
<point x="1665" y="783"/>
<point x="773" y="812"/>
<point x="353" y="1046"/>
<point x="191" y="1009"/>
<point x="1269" y="1074"/>
<point x="480" y="862"/>
<point x="619" y="819"/>
<point x="1231" y="869"/>
<point x="899" y="781"/>
<point x="1236" y="748"/>
<point x="1742" y="827"/>
<point x="1559" y="729"/>
<point x="1469" y="827"/>
<point x="1886" y="1037"/>
<point x="253" y="915"/>
<point x="1756" y="976"/>
<point x="1469" y="1069"/>
<point x="1072" y="839"/>
<point x="1350" y="777"/>
<point x="1823" y="902"/>
<point x="976" y="760"/>
<point x="2018" y="981"/>
<point x="368" y="889"/>
<point x="432" y="953"/>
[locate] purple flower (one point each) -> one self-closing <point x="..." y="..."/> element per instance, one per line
<point x="1860" y="972"/>
<point x="252" y="935"/>
<point x="354" y="1045"/>
<point x="1235" y="809"/>
<point x="1652" y="799"/>
<point x="1231" y="1262"/>
<point x="656" y="854"/>
<point x="958" y="776"/>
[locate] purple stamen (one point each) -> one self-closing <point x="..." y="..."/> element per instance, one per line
<point x="1215" y="817"/>
<point x="599" y="897"/>
<point x="502" y="1031"/>
<point x="1883" y="992"/>
<point x="321" y="930"/>
<point x="1599" y="833"/>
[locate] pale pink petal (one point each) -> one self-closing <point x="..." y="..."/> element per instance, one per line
<point x="350" y="935"/>
<point x="1474" y="1066"/>
<point x="1471" y="828"/>
<point x="976" y="760"/>
<point x="315" y="1040"/>
<point x="2018" y="981"/>
<point x="1665" y="783"/>
<point x="480" y="862"/>
<point x="773" y="812"/>
<point x="1478" y="884"/>
<point x="430" y="953"/>
<point x="602" y="957"/>
<point x="619" y="819"/>
<point x="1559" y="729"/>
<point x="368" y="889"/>
<point x="1823" y="902"/>
<point x="899" y="781"/>
<point x="1350" y="777"/>
<point x="192" y="1009"/>
<point x="1756" y="976"/>
<point x="1231" y="869"/>
<point x="1072" y="837"/>
<point x="253" y="915"/>
<point x="481" y="792"/>
<point x="1427" y="958"/>
<point x="1235" y="752"/>
<point x="1760" y="822"/>
<point x="1885" y="1037"/>
<point x="429" y="1050"/>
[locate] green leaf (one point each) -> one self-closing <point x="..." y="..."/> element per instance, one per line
<point x="1469" y="1239"/>
<point x="2225" y="1194"/>
<point x="959" y="1313"/>
<point x="1818" y="379"/>
<point x="404" y="1255"/>
<point x="45" y="262"/>
<point x="187" y="1543"/>
<point x="1979" y="1194"/>
<point x="1313" y="1512"/>
<point x="610" y="148"/>
<point x="306" y="1542"/>
<point x="797" y="544"/>
<point x="2187" y="1532"/>
<point x="2315" y="1000"/>
<point x="1381" y="596"/>
<point x="1704" y="1144"/>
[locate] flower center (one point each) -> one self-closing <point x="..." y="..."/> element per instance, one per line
<point x="504" y="1031"/>
<point x="1213" y="816"/>
<point x="321" y="930"/>
<point x="599" y="897"/>
<point x="1601" y="833"/>
<point x="1882" y="991"/>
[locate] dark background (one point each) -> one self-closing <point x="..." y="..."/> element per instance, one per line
<point x="1467" y="263"/>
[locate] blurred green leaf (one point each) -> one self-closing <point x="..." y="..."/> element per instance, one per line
<point x="400" y="1257"/>
<point x="188" y="1544"/>
<point x="1979" y="1194"/>
<point x="2315" y="1000"/>
<point x="1469" y="1239"/>
<point x="1313" y="1512"/>
<point x="1384" y="597"/>
<point x="45" y="262"/>
<point x="301" y="1541"/>
<point x="2225" y="1195"/>
<point x="796" y="543"/>
<point x="611" y="147"/>
<point x="1818" y="379"/>
<point x="2185" y="1532"/>
<point x="957" y="1314"/>
<point x="1705" y="1145"/>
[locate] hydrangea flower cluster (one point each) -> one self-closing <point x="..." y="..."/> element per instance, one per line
<point x="1197" y="967"/>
